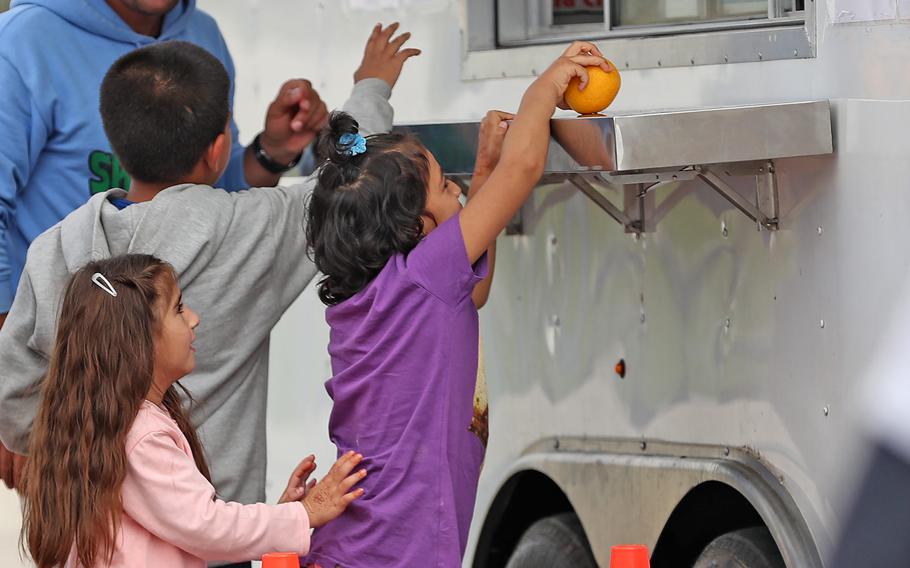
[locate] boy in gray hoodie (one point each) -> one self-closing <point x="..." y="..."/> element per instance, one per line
<point x="241" y="257"/>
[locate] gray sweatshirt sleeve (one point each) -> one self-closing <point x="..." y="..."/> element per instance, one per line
<point x="21" y="370"/>
<point x="369" y="105"/>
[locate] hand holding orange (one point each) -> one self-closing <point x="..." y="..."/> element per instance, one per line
<point x="600" y="91"/>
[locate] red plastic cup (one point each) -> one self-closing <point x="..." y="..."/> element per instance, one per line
<point x="281" y="560"/>
<point x="629" y="556"/>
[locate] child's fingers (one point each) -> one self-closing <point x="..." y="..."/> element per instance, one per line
<point x="396" y="43"/>
<point x="374" y="35"/>
<point x="588" y="60"/>
<point x="344" y="466"/>
<point x="404" y="54"/>
<point x="302" y="471"/>
<point x="350" y="481"/>
<point x="498" y="116"/>
<point x="306" y="464"/>
<point x="385" y="34"/>
<point x="596" y="51"/>
<point x="581" y="72"/>
<point x="580" y="47"/>
<point x="349" y="498"/>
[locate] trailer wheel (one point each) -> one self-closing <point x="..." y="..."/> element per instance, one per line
<point x="746" y="548"/>
<point x="553" y="542"/>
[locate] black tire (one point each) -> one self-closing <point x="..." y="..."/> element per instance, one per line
<point x="746" y="548"/>
<point x="553" y="542"/>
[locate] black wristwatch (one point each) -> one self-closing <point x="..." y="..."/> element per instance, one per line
<point x="267" y="162"/>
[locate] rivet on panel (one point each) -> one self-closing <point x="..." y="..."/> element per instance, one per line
<point x="643" y="445"/>
<point x="826" y="410"/>
<point x="726" y="451"/>
<point x="620" y="368"/>
<point x="820" y="230"/>
<point x="821" y="324"/>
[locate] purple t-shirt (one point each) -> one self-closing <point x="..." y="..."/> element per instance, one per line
<point x="404" y="360"/>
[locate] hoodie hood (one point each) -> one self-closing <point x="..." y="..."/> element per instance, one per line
<point x="169" y="227"/>
<point x="96" y="17"/>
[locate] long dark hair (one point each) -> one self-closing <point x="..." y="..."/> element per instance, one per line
<point x="100" y="372"/>
<point x="366" y="207"/>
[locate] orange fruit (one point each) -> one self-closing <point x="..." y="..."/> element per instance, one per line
<point x="598" y="94"/>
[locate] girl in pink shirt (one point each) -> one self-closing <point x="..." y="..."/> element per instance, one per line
<point x="116" y="474"/>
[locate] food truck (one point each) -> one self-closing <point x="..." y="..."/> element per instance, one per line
<point x="684" y="309"/>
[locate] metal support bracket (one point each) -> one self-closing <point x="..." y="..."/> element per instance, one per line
<point x="601" y="201"/>
<point x="638" y="206"/>
<point x="764" y="211"/>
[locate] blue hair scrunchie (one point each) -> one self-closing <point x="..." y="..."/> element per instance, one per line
<point x="354" y="143"/>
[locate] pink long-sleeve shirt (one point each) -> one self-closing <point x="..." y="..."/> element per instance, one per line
<point x="171" y="517"/>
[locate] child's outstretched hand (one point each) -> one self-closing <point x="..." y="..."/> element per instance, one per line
<point x="493" y="129"/>
<point x="297" y="484"/>
<point x="383" y="57"/>
<point x="329" y="498"/>
<point x="571" y="64"/>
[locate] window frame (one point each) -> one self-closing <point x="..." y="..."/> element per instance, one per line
<point x="488" y="54"/>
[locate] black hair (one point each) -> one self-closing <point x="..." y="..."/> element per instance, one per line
<point x="162" y="106"/>
<point x="365" y="207"/>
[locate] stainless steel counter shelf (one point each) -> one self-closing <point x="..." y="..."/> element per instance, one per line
<point x="645" y="151"/>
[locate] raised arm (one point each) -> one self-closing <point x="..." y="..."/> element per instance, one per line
<point x="489" y="147"/>
<point x="524" y="150"/>
<point x="383" y="60"/>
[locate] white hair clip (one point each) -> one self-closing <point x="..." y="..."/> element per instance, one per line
<point x="100" y="281"/>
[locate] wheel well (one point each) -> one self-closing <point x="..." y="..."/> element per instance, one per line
<point x="707" y="511"/>
<point x="525" y="498"/>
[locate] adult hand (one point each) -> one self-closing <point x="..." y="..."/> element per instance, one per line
<point x="11" y="465"/>
<point x="294" y="118"/>
<point x="383" y="57"/>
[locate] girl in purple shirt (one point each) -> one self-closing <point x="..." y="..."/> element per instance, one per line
<point x="405" y="268"/>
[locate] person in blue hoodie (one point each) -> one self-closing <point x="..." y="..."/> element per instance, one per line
<point x="54" y="154"/>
